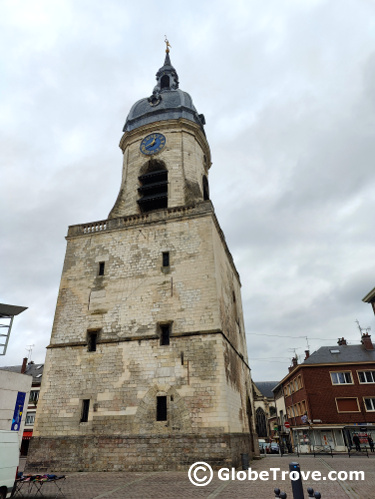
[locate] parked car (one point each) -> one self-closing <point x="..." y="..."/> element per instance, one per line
<point x="264" y="447"/>
<point x="274" y="448"/>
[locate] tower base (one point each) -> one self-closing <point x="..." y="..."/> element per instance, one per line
<point x="136" y="453"/>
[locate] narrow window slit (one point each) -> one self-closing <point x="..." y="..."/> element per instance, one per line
<point x="101" y="268"/>
<point x="165" y="258"/>
<point x="165" y="331"/>
<point x="85" y="410"/>
<point x="92" y="338"/>
<point x="161" y="408"/>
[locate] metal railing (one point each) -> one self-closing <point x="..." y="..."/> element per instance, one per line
<point x="363" y="450"/>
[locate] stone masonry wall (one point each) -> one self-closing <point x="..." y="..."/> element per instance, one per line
<point x="122" y="382"/>
<point x="186" y="156"/>
<point x="146" y="453"/>
<point x="202" y="372"/>
<point x="136" y="293"/>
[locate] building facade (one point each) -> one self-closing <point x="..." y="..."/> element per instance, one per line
<point x="265" y="410"/>
<point x="35" y="372"/>
<point x="149" y="322"/>
<point x="283" y="427"/>
<point x="14" y="394"/>
<point x="331" y="396"/>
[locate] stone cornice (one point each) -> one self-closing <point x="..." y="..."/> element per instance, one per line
<point x="205" y="208"/>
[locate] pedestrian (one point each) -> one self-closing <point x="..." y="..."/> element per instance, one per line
<point x="371" y="442"/>
<point x="356" y="442"/>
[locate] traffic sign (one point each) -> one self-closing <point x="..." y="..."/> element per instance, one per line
<point x="287" y="424"/>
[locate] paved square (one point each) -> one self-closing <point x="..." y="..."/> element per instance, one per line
<point x="171" y="484"/>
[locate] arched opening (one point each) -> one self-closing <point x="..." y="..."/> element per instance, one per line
<point x="154" y="186"/>
<point x="206" y="193"/>
<point x="164" y="82"/>
<point x="261" y="423"/>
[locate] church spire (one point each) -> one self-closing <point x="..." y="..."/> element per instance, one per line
<point x="166" y="77"/>
<point x="166" y="102"/>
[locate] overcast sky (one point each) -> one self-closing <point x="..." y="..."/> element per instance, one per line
<point x="288" y="92"/>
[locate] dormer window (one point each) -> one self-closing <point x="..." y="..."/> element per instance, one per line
<point x="164" y="82"/>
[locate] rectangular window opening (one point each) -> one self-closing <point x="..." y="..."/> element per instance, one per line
<point x="101" y="268"/>
<point x="366" y="376"/>
<point x="342" y="378"/>
<point x="370" y="404"/>
<point x="30" y="418"/>
<point x="347" y="404"/>
<point x="34" y="396"/>
<point x="161" y="408"/>
<point x="92" y="338"/>
<point x="165" y="331"/>
<point x="85" y="410"/>
<point x="165" y="258"/>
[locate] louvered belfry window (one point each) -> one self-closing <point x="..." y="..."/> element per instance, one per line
<point x="153" y="190"/>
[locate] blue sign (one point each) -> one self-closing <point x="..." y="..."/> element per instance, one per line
<point x="18" y="410"/>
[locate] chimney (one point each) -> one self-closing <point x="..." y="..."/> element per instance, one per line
<point x="24" y="364"/>
<point x="294" y="364"/>
<point x="341" y="341"/>
<point x="307" y="354"/>
<point x="366" y="341"/>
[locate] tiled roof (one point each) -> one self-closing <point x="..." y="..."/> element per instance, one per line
<point x="265" y="387"/>
<point x="34" y="370"/>
<point x="339" y="354"/>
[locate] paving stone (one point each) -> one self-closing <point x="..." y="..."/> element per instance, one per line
<point x="172" y="484"/>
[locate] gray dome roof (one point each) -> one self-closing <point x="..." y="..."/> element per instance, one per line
<point x="167" y="102"/>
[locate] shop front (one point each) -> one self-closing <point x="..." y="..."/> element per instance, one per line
<point x="365" y="434"/>
<point x="310" y="439"/>
<point x="26" y="437"/>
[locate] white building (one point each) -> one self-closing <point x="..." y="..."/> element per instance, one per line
<point x="14" y="396"/>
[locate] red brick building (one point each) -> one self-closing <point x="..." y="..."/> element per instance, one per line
<point x="331" y="396"/>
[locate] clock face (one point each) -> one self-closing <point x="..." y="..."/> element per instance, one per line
<point x="152" y="144"/>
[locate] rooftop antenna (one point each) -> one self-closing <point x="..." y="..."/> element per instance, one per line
<point x="295" y="352"/>
<point x="362" y="330"/>
<point x="30" y="349"/>
<point x="307" y="343"/>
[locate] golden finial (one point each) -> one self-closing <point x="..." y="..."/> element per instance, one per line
<point x="167" y="44"/>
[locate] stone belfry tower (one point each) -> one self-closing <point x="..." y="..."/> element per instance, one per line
<point x="147" y="364"/>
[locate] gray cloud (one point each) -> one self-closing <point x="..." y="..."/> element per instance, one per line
<point x="287" y="89"/>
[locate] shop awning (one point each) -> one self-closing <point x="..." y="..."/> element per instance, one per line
<point x="27" y="435"/>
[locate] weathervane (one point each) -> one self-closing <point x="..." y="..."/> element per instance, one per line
<point x="167" y="44"/>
